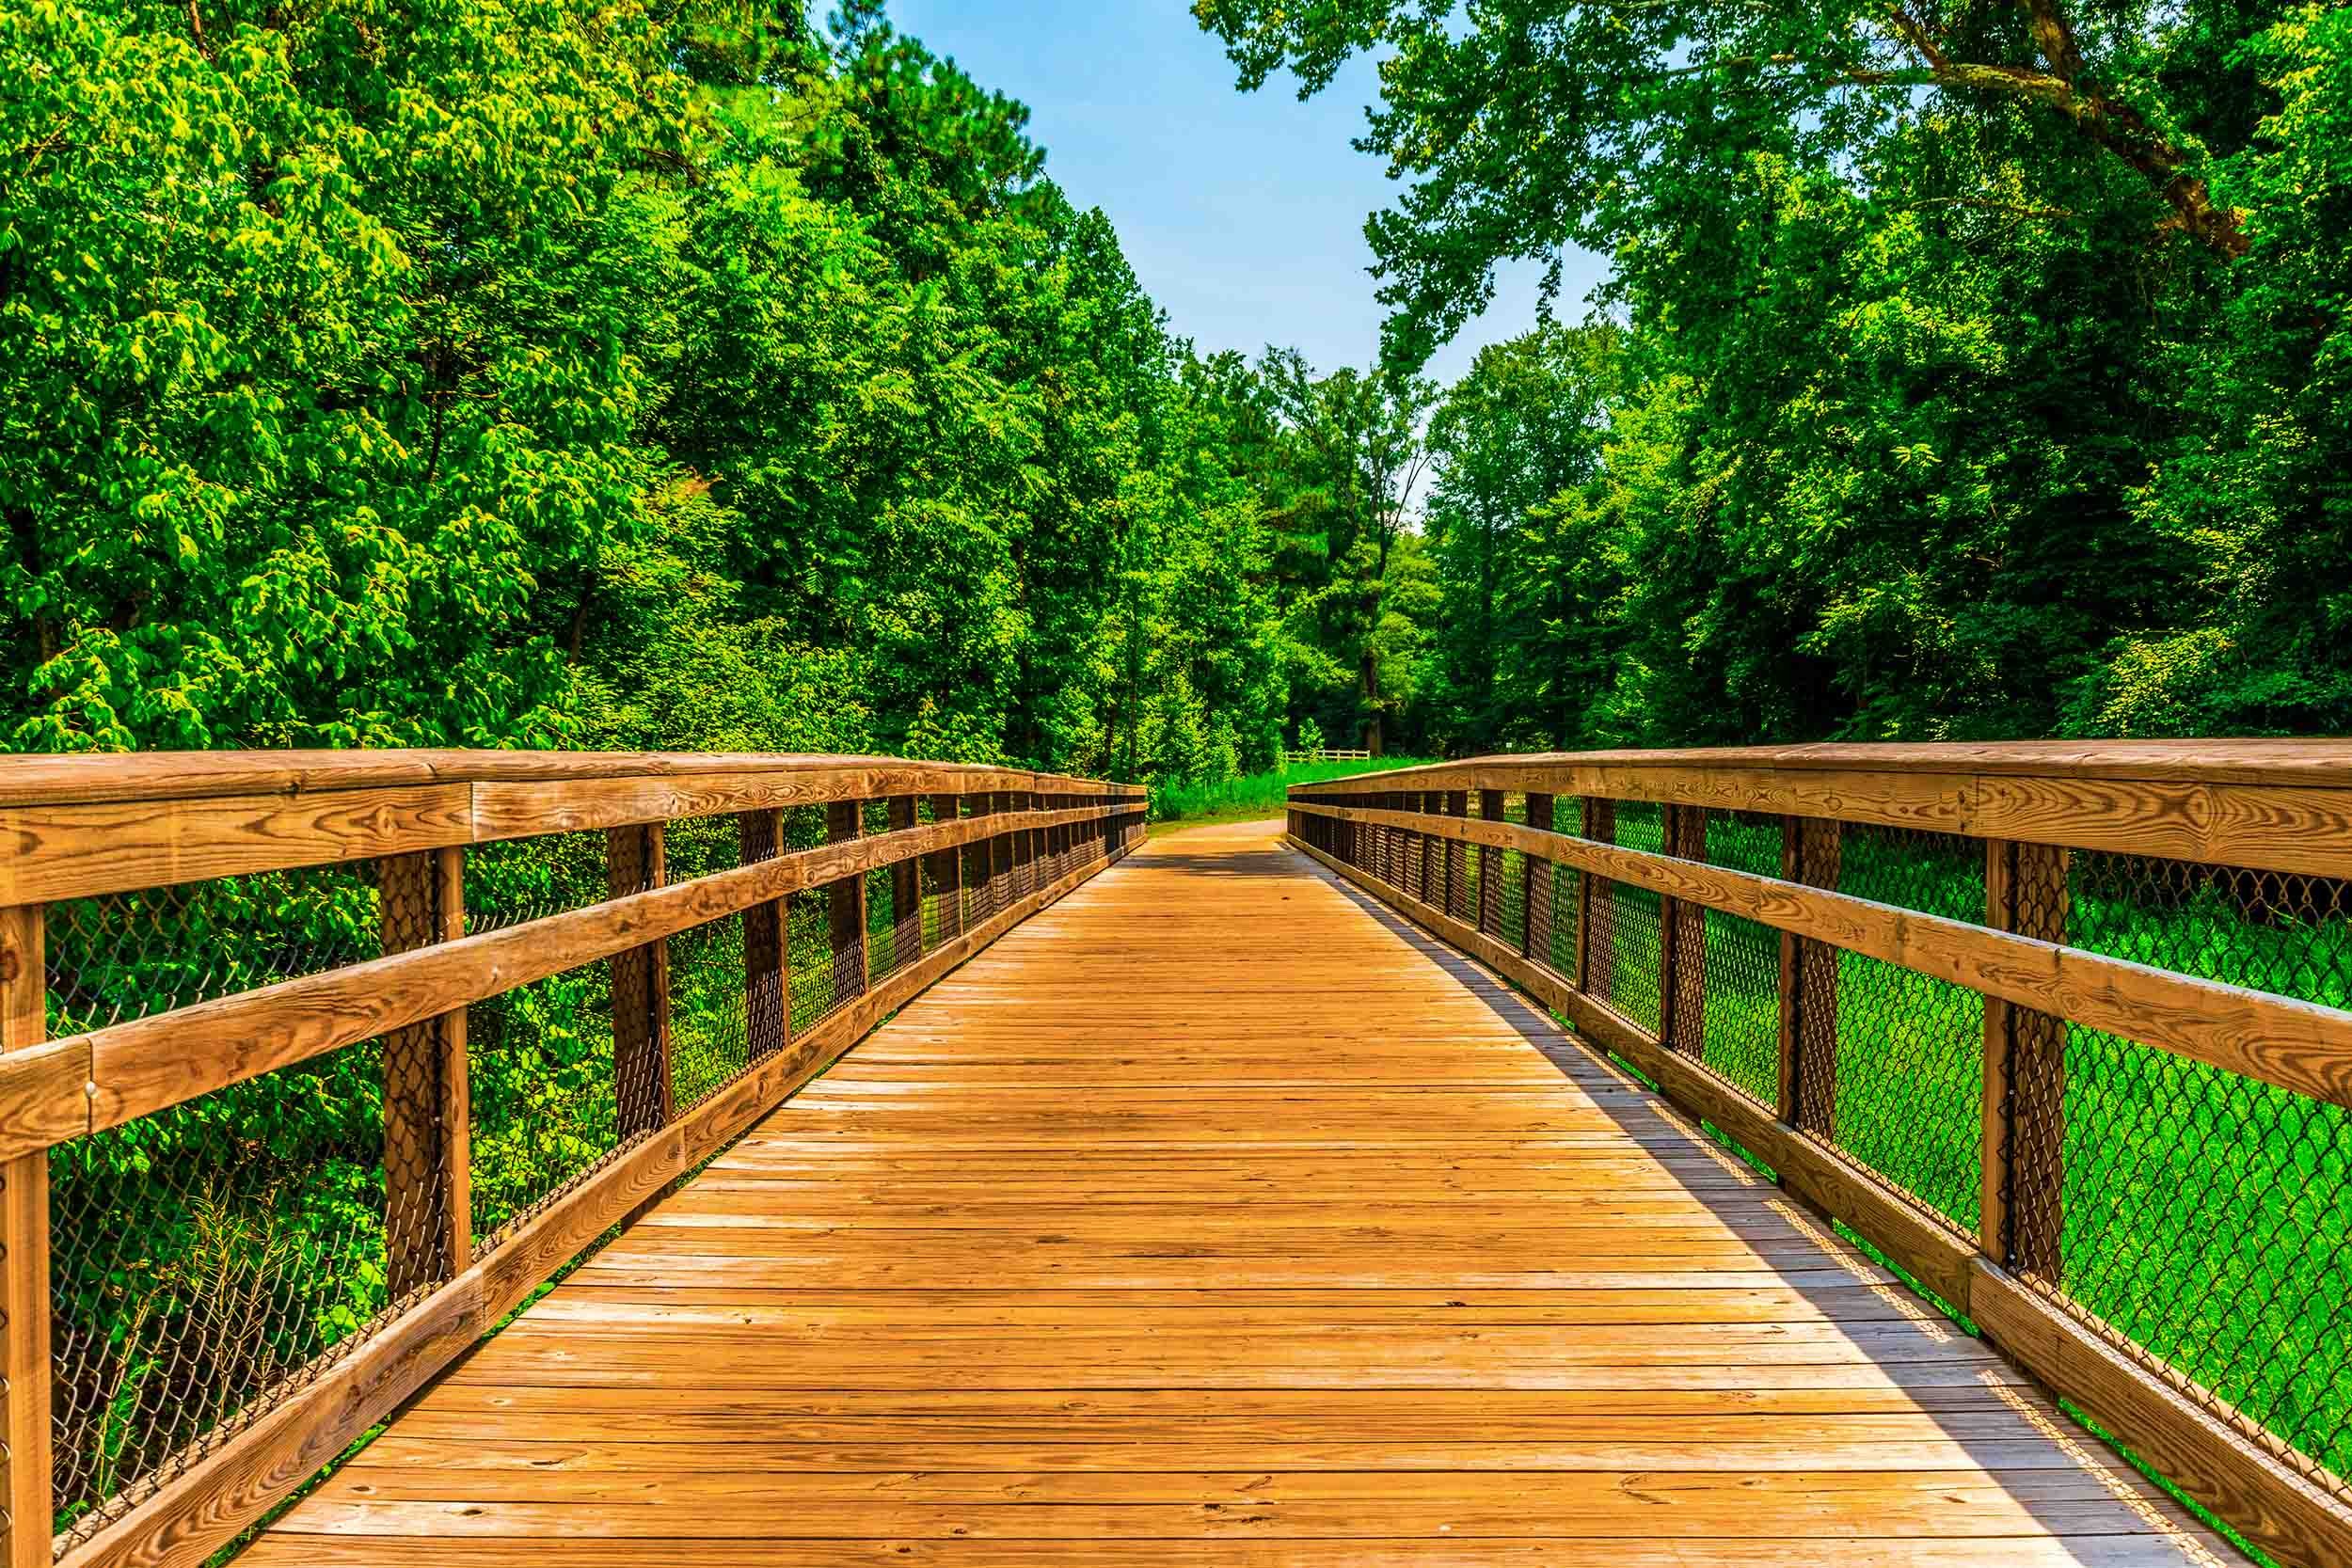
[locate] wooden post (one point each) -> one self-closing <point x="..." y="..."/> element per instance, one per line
<point x="2024" y="1117"/>
<point x="1457" y="859"/>
<point x="1597" y="910"/>
<point x="640" y="990"/>
<point x="999" y="848"/>
<point x="428" y="1114"/>
<point x="845" y="904"/>
<point x="767" y="956"/>
<point x="1683" y="942"/>
<point x="1810" y="851"/>
<point x="906" y="891"/>
<point x="24" y="1405"/>
<point x="1534" y="933"/>
<point x="1024" y="850"/>
<point x="1432" y="852"/>
<point x="1490" y="864"/>
<point x="947" y="871"/>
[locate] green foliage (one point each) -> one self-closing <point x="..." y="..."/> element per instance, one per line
<point x="1256" y="795"/>
<point x="1976" y="370"/>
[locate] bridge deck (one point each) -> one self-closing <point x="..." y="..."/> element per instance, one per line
<point x="1209" y="1219"/>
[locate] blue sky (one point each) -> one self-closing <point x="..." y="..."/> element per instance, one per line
<point x="1242" y="214"/>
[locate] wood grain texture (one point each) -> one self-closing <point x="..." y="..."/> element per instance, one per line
<point x="62" y="851"/>
<point x="427" y="1116"/>
<point x="2272" y="805"/>
<point x="2221" y="1468"/>
<point x="2271" y="1506"/>
<point x="150" y="776"/>
<point x="25" y="1380"/>
<point x="222" y="1493"/>
<point x="2298" y="1045"/>
<point x="79" y="827"/>
<point x="1088" y="1256"/>
<point x="1807" y="1167"/>
<point x="129" y="1070"/>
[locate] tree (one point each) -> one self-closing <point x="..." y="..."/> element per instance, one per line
<point x="1352" y="457"/>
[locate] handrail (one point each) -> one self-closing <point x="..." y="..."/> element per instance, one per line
<point x="1935" y="989"/>
<point x="681" y="1011"/>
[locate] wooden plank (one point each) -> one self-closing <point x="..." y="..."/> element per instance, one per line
<point x="78" y="827"/>
<point x="947" y="1302"/>
<point x="221" y="1492"/>
<point x="1806" y="1168"/>
<point x="635" y="862"/>
<point x="2280" y="1511"/>
<point x="2283" y="806"/>
<point x="428" y="1120"/>
<point x="81" y="850"/>
<point x="152" y="776"/>
<point x="2298" y="1045"/>
<point x="25" y="1384"/>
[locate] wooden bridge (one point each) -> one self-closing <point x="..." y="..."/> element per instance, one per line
<point x="959" y="1178"/>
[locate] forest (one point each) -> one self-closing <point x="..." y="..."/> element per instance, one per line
<point x="702" y="376"/>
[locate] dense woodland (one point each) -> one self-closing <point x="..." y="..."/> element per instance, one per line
<point x="528" y="373"/>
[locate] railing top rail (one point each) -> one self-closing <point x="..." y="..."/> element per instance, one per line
<point x="114" y="777"/>
<point x="2271" y="805"/>
<point x="79" y="825"/>
<point x="2319" y="762"/>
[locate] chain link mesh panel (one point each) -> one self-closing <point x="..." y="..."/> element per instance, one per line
<point x="1632" y="916"/>
<point x="711" y="1042"/>
<point x="1740" y="1040"/>
<point x="207" y="1254"/>
<point x="2201" y="1219"/>
<point x="1910" y="1066"/>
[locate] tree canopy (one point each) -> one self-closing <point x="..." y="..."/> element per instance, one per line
<point x="516" y="372"/>
<point x="1979" y="367"/>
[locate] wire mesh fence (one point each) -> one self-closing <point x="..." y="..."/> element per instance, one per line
<point x="211" y="1261"/>
<point x="2197" y="1219"/>
<point x="1910" y="1061"/>
<point x="2201" y="1219"/>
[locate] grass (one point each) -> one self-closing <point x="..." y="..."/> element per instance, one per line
<point x="1255" y="796"/>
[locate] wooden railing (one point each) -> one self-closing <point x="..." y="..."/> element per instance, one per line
<point x="1324" y="754"/>
<point x="313" y="1067"/>
<point x="2058" y="1030"/>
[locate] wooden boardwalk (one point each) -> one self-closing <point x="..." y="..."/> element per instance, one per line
<point x="1209" y="1218"/>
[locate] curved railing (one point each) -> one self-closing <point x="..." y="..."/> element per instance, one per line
<point x="2060" y="1030"/>
<point x="314" y="1066"/>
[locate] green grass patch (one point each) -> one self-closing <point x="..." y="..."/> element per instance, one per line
<point x="1255" y="796"/>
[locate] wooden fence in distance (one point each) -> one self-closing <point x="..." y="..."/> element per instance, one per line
<point x="2060" y="1030"/>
